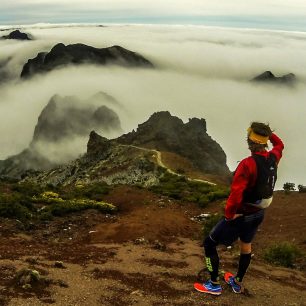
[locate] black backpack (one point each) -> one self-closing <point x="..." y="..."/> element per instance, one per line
<point x="265" y="181"/>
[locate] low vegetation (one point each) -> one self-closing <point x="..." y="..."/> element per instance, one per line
<point x="288" y="187"/>
<point x="29" y="202"/>
<point x="283" y="254"/>
<point x="302" y="188"/>
<point x="180" y="188"/>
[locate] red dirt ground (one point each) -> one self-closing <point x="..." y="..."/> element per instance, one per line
<point x="147" y="254"/>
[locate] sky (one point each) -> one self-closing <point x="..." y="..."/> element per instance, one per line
<point x="268" y="14"/>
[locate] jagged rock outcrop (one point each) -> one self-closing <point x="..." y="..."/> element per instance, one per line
<point x="133" y="157"/>
<point x="108" y="162"/>
<point x="61" y="132"/>
<point x="97" y="145"/>
<point x="76" y="54"/>
<point x="165" y="132"/>
<point x="17" y="35"/>
<point x="67" y="117"/>
<point x="269" y="77"/>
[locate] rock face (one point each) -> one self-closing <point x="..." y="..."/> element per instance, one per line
<point x="64" y="117"/>
<point x="97" y="144"/>
<point x="269" y="77"/>
<point x="164" y="132"/>
<point x="61" y="132"/>
<point x="76" y="54"/>
<point x="132" y="158"/>
<point x="17" y="35"/>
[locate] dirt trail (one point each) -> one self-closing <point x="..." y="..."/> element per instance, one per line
<point x="158" y="155"/>
<point x="145" y="276"/>
<point x="148" y="254"/>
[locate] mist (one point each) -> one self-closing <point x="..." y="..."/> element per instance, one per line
<point x="200" y="72"/>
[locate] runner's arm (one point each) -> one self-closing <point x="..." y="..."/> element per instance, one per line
<point x="278" y="146"/>
<point x="239" y="184"/>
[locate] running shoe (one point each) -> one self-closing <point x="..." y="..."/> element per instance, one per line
<point x="208" y="287"/>
<point x="230" y="279"/>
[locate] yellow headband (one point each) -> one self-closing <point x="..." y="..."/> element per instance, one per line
<point x="257" y="138"/>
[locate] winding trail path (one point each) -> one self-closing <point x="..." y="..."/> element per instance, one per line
<point x="157" y="154"/>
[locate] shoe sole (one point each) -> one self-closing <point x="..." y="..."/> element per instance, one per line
<point x="199" y="287"/>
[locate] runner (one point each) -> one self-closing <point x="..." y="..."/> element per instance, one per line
<point x="251" y="192"/>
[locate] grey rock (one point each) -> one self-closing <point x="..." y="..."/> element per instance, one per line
<point x="17" y="35"/>
<point x="76" y="54"/>
<point x="63" y="119"/>
<point x="269" y="77"/>
<point x="165" y="132"/>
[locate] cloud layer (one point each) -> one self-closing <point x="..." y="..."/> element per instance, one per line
<point x="285" y="14"/>
<point x="201" y="72"/>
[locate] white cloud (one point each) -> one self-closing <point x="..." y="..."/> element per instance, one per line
<point x="201" y="72"/>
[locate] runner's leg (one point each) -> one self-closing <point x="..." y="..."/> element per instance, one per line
<point x="244" y="260"/>
<point x="212" y="259"/>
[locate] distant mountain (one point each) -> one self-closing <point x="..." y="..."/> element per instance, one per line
<point x="269" y="77"/>
<point x="76" y="54"/>
<point x="17" y="35"/>
<point x="68" y="117"/>
<point x="135" y="158"/>
<point x="60" y="125"/>
<point x="165" y="132"/>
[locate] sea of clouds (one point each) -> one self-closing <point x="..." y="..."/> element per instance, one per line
<point x="200" y="72"/>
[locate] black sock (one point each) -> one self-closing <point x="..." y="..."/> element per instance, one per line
<point x="212" y="259"/>
<point x="244" y="263"/>
<point x="212" y="264"/>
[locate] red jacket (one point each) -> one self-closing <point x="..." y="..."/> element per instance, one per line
<point x="245" y="177"/>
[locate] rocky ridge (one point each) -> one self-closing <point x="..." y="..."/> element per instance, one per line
<point x="132" y="159"/>
<point x="76" y="54"/>
<point x="165" y="132"/>
<point x="63" y="121"/>
<point x="67" y="117"/>
<point x="17" y="35"/>
<point x="269" y="77"/>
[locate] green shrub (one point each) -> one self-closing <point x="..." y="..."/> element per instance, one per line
<point x="13" y="206"/>
<point x="180" y="188"/>
<point x="14" y="210"/>
<point x="203" y="200"/>
<point x="66" y="207"/>
<point x="26" y="189"/>
<point x="24" y="201"/>
<point x="49" y="197"/>
<point x="60" y="207"/>
<point x="95" y="191"/>
<point x="210" y="223"/>
<point x="282" y="254"/>
<point x="288" y="187"/>
<point x="302" y="188"/>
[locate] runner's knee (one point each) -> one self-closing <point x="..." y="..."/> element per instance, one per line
<point x="245" y="248"/>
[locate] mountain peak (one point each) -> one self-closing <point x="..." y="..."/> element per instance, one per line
<point x="165" y="132"/>
<point x="76" y="54"/>
<point x="17" y="35"/>
<point x="269" y="77"/>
